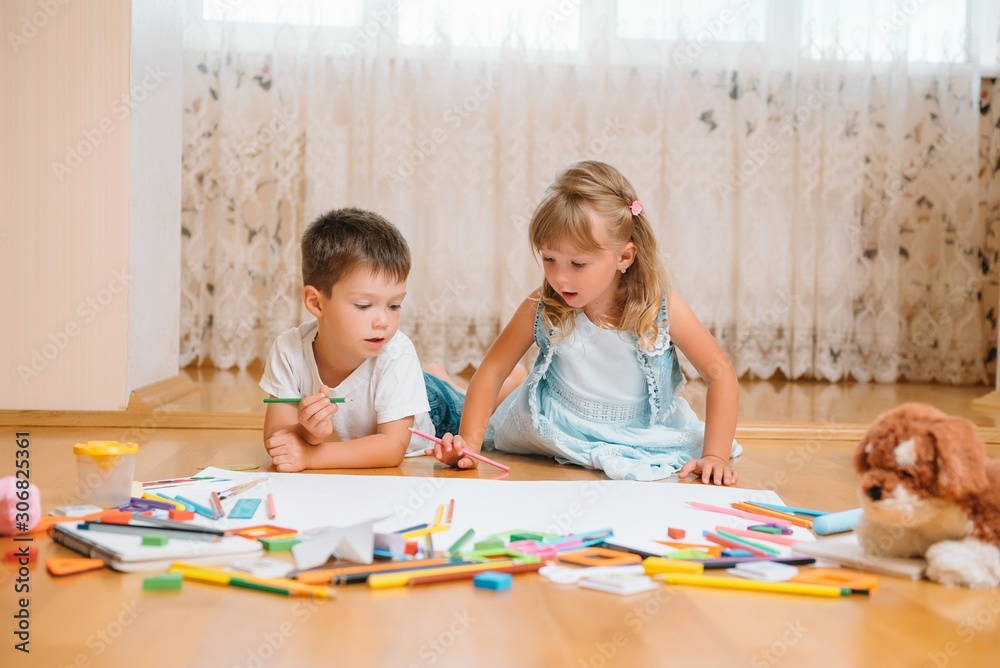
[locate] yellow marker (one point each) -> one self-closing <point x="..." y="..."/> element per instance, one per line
<point x="401" y="579"/>
<point x="163" y="499"/>
<point x="654" y="565"/>
<point x="440" y="514"/>
<point x="752" y="585"/>
<point x="219" y="576"/>
<point x="417" y="533"/>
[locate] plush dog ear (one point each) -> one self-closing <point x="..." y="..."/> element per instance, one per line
<point x="960" y="457"/>
<point x="861" y="453"/>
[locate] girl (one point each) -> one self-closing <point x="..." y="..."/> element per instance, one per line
<point x="604" y="391"/>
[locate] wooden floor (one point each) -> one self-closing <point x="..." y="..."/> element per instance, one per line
<point x="761" y="401"/>
<point x="104" y="618"/>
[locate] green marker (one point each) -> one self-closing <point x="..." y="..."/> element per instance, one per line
<point x="297" y="400"/>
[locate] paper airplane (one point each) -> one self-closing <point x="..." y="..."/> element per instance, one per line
<point x="353" y="543"/>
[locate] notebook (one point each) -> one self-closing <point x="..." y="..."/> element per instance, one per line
<point x="845" y="551"/>
<point x="125" y="552"/>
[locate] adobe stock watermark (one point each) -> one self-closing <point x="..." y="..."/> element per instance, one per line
<point x="121" y="108"/>
<point x="691" y="49"/>
<point x="792" y="635"/>
<point x="984" y="619"/>
<point x="452" y="119"/>
<point x="59" y="340"/>
<point x="99" y="641"/>
<point x="217" y="181"/>
<point x="758" y="155"/>
<point x="271" y="642"/>
<point x="635" y="620"/>
<point x="432" y="650"/>
<point x="365" y="35"/>
<point x="31" y="25"/>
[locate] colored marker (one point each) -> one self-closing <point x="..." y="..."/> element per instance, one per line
<point x="774" y="514"/>
<point x="298" y="400"/>
<point x="272" y="510"/>
<point x="725" y="533"/>
<point x="465" y="451"/>
<point x="753" y="585"/>
<point x="790" y="509"/>
<point x="216" y="502"/>
<point x="457" y="545"/>
<point x="200" y="509"/>
<point x="757" y="535"/>
<point x="738" y="513"/>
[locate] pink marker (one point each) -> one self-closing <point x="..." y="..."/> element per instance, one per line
<point x="465" y="451"/>
<point x="739" y="513"/>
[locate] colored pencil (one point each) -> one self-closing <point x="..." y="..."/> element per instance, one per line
<point x="728" y="542"/>
<point x="273" y="585"/>
<point x="465" y="451"/>
<point x="468" y="575"/>
<point x="749" y="543"/>
<point x="769" y="537"/>
<point x="738" y="513"/>
<point x="457" y="545"/>
<point x="410" y="535"/>
<point x="790" y="509"/>
<point x="386" y="580"/>
<point x="729" y="562"/>
<point x="324" y="575"/>
<point x="272" y="510"/>
<point x="774" y="514"/>
<point x="440" y="515"/>
<point x="451" y="512"/>
<point x="298" y="400"/>
<point x="753" y="585"/>
<point x="217" y="504"/>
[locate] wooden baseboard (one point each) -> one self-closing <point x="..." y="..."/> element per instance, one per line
<point x="156" y="395"/>
<point x="989" y="401"/>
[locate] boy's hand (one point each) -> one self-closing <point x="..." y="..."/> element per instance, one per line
<point x="715" y="470"/>
<point x="449" y="451"/>
<point x="288" y="452"/>
<point x="315" y="412"/>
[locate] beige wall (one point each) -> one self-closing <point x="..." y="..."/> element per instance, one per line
<point x="67" y="177"/>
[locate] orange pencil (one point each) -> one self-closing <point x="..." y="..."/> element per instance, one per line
<point x="449" y="577"/>
<point x="327" y="574"/>
<point x="794" y="519"/>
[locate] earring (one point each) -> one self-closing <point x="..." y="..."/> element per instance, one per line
<point x="623" y="270"/>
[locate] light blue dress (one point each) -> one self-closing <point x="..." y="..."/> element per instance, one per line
<point x="598" y="399"/>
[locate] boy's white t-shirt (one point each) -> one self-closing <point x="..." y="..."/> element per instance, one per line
<point x="387" y="387"/>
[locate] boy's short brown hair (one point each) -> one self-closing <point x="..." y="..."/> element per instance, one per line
<point x="342" y="240"/>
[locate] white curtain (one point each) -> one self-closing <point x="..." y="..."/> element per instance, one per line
<point x="820" y="174"/>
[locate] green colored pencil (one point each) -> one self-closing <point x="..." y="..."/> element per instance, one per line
<point x="297" y="400"/>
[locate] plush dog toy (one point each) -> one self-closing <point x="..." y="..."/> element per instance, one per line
<point x="928" y="489"/>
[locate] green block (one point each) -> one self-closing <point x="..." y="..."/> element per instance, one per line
<point x="163" y="582"/>
<point x="489" y="544"/>
<point x="526" y="535"/>
<point x="154" y="539"/>
<point x="279" y="544"/>
<point x="689" y="553"/>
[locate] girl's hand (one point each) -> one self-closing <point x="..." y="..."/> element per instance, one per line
<point x="315" y="412"/>
<point x="715" y="470"/>
<point x="449" y="451"/>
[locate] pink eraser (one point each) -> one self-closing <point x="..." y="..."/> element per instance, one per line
<point x="16" y="519"/>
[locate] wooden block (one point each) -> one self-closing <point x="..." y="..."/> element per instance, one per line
<point x="676" y="534"/>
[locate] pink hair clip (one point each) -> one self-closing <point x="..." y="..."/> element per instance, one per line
<point x="635" y="207"/>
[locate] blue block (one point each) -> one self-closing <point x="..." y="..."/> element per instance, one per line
<point x="736" y="552"/>
<point x="493" y="580"/>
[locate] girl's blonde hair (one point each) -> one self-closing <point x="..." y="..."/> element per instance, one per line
<point x="595" y="189"/>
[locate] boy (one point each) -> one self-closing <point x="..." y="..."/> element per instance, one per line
<point x="354" y="269"/>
